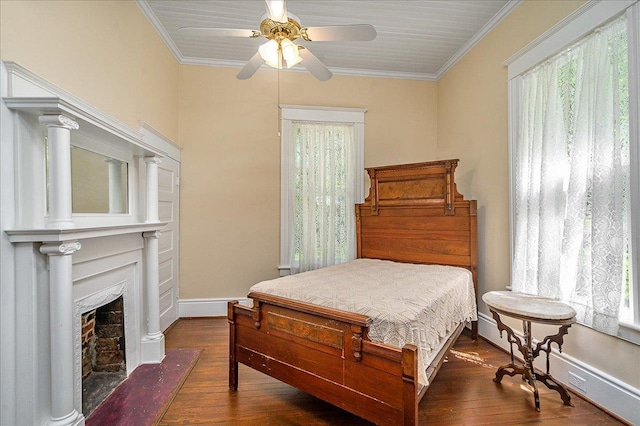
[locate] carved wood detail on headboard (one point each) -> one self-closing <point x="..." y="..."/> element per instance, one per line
<point x="414" y="184"/>
<point x="415" y="214"/>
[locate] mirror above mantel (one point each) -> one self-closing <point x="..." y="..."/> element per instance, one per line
<point x="98" y="183"/>
<point x="92" y="168"/>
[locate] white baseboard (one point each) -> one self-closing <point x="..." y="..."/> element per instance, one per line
<point x="206" y="307"/>
<point x="606" y="391"/>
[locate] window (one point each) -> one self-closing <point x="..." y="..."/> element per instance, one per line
<point x="322" y="179"/>
<point x="574" y="167"/>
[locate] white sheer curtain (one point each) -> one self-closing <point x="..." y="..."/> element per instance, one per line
<point x="323" y="198"/>
<point x="572" y="179"/>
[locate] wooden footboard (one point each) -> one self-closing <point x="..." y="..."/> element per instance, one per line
<point x="327" y="353"/>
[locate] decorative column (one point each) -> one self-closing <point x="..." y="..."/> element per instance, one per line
<point x="61" y="332"/>
<point x="153" y="342"/>
<point x="152" y="189"/>
<point x="115" y="185"/>
<point x="59" y="136"/>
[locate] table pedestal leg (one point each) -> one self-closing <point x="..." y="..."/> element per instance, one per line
<point x="529" y="354"/>
<point x="551" y="383"/>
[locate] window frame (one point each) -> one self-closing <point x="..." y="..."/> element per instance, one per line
<point x="289" y="114"/>
<point x="567" y="32"/>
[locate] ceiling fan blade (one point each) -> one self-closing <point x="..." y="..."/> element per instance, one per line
<point x="251" y="67"/>
<point x="218" y="32"/>
<point x="358" y="32"/>
<point x="313" y="64"/>
<point x="277" y="10"/>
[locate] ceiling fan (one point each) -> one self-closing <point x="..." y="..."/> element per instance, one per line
<point x="281" y="29"/>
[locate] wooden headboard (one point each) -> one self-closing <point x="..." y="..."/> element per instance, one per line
<point x="415" y="214"/>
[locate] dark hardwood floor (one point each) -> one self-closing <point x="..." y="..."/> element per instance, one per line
<point x="462" y="393"/>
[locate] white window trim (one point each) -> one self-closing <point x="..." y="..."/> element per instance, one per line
<point x="566" y="32"/>
<point x="575" y="26"/>
<point x="290" y="113"/>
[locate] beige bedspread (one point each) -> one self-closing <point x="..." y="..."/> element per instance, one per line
<point x="408" y="303"/>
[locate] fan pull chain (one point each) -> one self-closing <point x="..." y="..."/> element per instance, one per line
<point x="278" y="121"/>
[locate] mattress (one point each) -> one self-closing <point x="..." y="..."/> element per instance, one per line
<point x="407" y="303"/>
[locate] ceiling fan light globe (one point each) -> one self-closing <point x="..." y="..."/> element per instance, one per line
<point x="290" y="53"/>
<point x="269" y="52"/>
<point x="293" y="63"/>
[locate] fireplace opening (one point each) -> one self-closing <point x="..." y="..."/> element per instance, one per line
<point x="103" y="353"/>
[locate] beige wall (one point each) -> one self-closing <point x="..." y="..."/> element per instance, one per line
<point x="472" y="125"/>
<point x="230" y="191"/>
<point x="104" y="52"/>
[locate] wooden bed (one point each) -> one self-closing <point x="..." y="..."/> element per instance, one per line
<point x="413" y="214"/>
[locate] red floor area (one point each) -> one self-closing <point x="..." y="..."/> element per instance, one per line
<point x="144" y="396"/>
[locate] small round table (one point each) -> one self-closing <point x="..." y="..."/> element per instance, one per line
<point x="530" y="308"/>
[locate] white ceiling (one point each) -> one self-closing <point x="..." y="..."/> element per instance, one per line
<point x="417" y="39"/>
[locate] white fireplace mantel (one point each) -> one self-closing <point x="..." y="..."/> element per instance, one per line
<point x="56" y="262"/>
<point x="47" y="235"/>
<point x="98" y="127"/>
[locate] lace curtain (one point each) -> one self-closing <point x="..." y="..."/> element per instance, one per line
<point x="572" y="178"/>
<point x="322" y="195"/>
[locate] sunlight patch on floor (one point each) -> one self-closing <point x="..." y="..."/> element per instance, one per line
<point x="472" y="357"/>
<point x="526" y="388"/>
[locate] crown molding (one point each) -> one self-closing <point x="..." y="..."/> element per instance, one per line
<point x="486" y="29"/>
<point x="217" y="63"/>
<point x="385" y="74"/>
<point x="299" y="68"/>
<point x="155" y="23"/>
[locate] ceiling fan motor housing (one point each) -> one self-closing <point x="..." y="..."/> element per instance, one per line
<point x="273" y="30"/>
